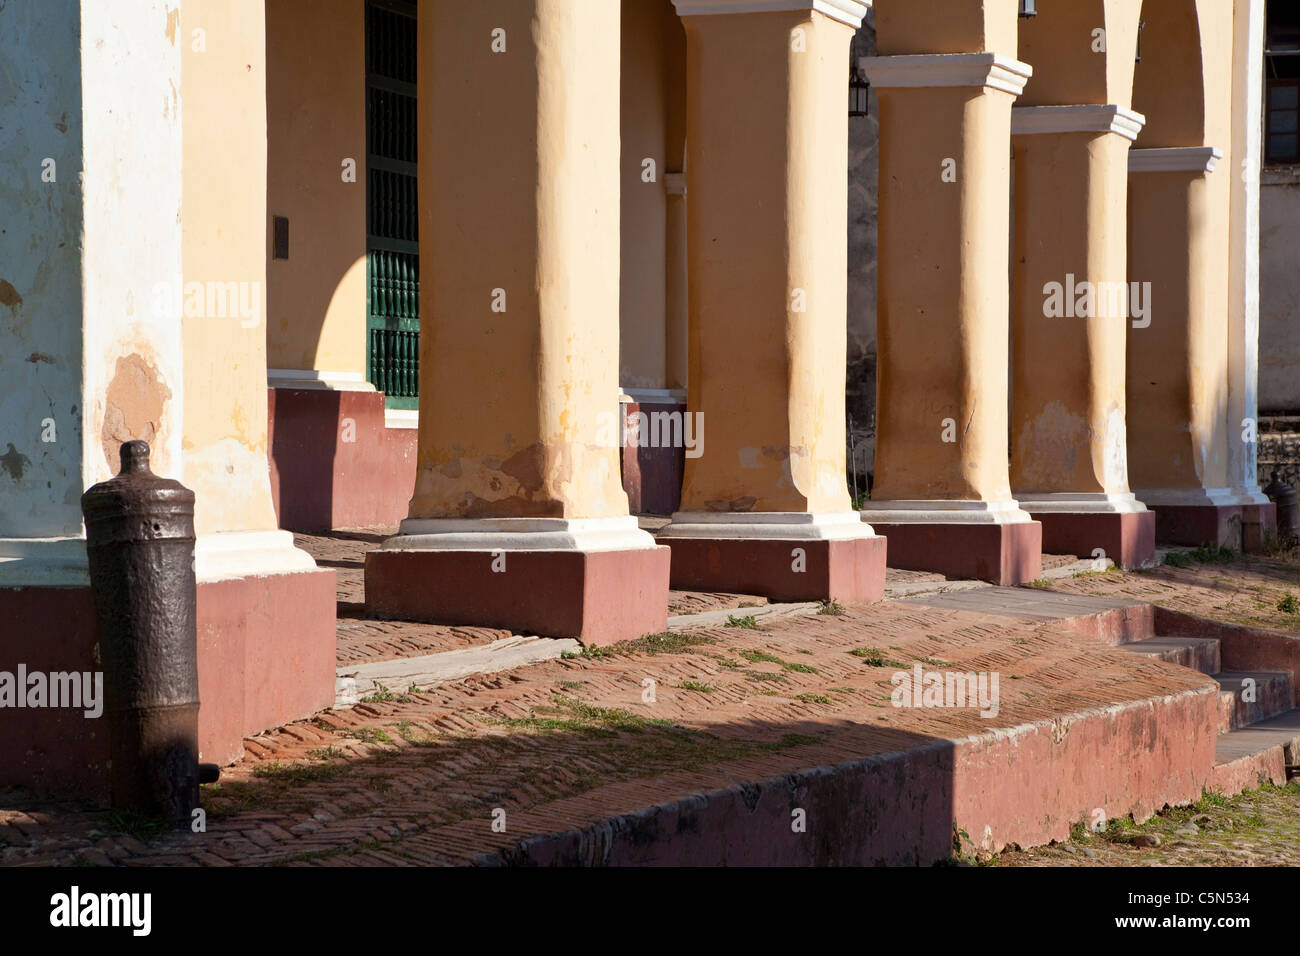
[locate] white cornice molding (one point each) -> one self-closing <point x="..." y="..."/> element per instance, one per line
<point x="301" y="378"/>
<point x="1110" y="118"/>
<point x="850" y="12"/>
<point x="991" y="70"/>
<point x="1177" y="159"/>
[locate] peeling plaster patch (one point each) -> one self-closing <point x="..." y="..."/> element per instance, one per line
<point x="9" y="296"/>
<point x="14" y="463"/>
<point x="1049" y="445"/>
<point x="452" y="469"/>
<point x="133" y="406"/>
<point x="62" y="123"/>
<point x="527" y="467"/>
<point x="1116" y="460"/>
<point x="40" y="357"/>
<point x="173" y="22"/>
<point x="748" y="458"/>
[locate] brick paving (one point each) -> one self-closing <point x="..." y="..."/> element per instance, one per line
<point x="1245" y="590"/>
<point x="563" y="744"/>
<point x="415" y="777"/>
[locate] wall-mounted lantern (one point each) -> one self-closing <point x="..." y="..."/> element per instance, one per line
<point x="1027" y="8"/>
<point x="859" y="88"/>
<point x="1141" y="24"/>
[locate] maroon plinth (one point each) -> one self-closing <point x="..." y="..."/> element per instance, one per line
<point x="652" y="476"/>
<point x="1197" y="525"/>
<point x="266" y="655"/>
<point x="1258" y="526"/>
<point x="1127" y="539"/>
<point x="334" y="461"/>
<point x="851" y="570"/>
<point x="599" y="597"/>
<point x="1004" y="554"/>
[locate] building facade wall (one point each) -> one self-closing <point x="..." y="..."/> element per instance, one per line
<point x="316" y="122"/>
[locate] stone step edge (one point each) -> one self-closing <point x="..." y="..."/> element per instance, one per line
<point x="629" y="837"/>
<point x="1264" y="680"/>
<point x="1176" y="642"/>
<point x="1257" y="753"/>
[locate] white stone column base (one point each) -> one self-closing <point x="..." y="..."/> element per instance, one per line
<point x="1249" y="496"/>
<point x="619" y="533"/>
<point x="1186" y="497"/>
<point x="769" y="525"/>
<point x="1081" y="503"/>
<point x="61" y="562"/>
<point x="940" y="511"/>
<point x="241" y="554"/>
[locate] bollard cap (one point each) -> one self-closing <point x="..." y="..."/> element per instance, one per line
<point x="137" y="505"/>
<point x="1278" y="491"/>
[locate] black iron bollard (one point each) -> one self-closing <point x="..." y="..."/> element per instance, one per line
<point x="140" y="543"/>
<point x="1288" y="511"/>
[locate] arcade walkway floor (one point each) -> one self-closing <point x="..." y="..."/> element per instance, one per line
<point x="469" y="770"/>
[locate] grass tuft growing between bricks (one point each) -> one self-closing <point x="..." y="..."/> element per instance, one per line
<point x="763" y="657"/>
<point x="697" y="686"/>
<point x="874" y="657"/>
<point x="667" y="642"/>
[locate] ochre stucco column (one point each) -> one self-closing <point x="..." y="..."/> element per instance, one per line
<point x="1177" y="364"/>
<point x="1070" y="293"/>
<point x="1180" y="196"/>
<point x="518" y="518"/>
<point x="266" y="612"/>
<point x="1259" y="516"/>
<point x="941" y="492"/>
<point x="765" y="504"/>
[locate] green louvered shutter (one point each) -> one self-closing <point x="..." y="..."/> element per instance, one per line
<point x="392" y="223"/>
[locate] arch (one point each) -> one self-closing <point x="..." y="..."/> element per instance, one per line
<point x="1082" y="52"/>
<point x="1183" y="84"/>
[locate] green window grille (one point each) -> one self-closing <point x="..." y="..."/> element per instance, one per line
<point x="392" y="221"/>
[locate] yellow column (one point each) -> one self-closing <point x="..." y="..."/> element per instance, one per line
<point x="518" y="509"/>
<point x="224" y="294"/>
<point x="1070" y="293"/>
<point x="765" y="503"/>
<point x="946" y="79"/>
<point x="1177" y="360"/>
<point x="1180" y="221"/>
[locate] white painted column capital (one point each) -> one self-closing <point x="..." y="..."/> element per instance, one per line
<point x="1108" y="118"/>
<point x="989" y="70"/>
<point x="850" y="12"/>
<point x="1175" y="159"/>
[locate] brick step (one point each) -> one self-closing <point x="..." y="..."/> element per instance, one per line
<point x="1271" y="693"/>
<point x="1246" y="757"/>
<point x="1199" y="653"/>
<point x="354" y="682"/>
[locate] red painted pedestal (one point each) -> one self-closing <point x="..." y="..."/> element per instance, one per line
<point x="1004" y="554"/>
<point x="266" y="654"/>
<point x="1127" y="539"/>
<point x="850" y="570"/>
<point x="598" y="597"/>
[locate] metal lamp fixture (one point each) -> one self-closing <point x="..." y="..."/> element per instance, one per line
<point x="1027" y="8"/>
<point x="859" y="88"/>
<point x="1141" y="25"/>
